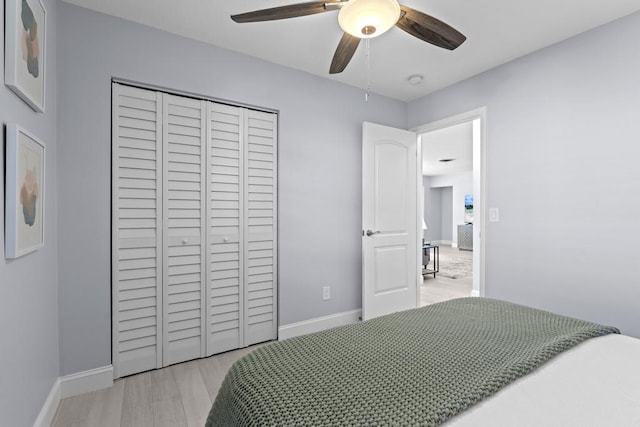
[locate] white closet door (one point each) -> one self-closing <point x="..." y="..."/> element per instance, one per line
<point x="184" y="238"/>
<point x="137" y="230"/>
<point x="225" y="228"/>
<point x="260" y="193"/>
<point x="194" y="228"/>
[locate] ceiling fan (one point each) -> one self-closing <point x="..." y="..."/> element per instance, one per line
<point x="361" y="19"/>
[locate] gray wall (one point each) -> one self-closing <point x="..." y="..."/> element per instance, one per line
<point x="562" y="167"/>
<point x="447" y="214"/>
<point x="434" y="218"/>
<point x="319" y="167"/>
<point x="459" y="184"/>
<point x="28" y="285"/>
<point x="426" y="203"/>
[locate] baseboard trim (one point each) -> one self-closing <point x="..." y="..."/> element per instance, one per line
<point x="48" y="411"/>
<point x="318" y="324"/>
<point x="86" y="381"/>
<point x="72" y="385"/>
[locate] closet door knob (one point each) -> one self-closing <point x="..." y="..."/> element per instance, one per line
<point x="185" y="241"/>
<point x="226" y="240"/>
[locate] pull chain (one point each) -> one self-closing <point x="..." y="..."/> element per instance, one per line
<point x="368" y="65"/>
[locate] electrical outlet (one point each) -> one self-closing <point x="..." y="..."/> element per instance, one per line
<point x="326" y="293"/>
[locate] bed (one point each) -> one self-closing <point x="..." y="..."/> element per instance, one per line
<point x="465" y="362"/>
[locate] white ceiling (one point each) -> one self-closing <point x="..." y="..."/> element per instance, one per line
<point x="455" y="142"/>
<point x="497" y="31"/>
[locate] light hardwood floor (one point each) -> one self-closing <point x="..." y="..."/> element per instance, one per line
<point x="181" y="395"/>
<point x="442" y="288"/>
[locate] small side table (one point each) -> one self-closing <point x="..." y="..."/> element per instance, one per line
<point x="435" y="259"/>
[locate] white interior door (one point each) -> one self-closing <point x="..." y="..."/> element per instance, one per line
<point x="389" y="220"/>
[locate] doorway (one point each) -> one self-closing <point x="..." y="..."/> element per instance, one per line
<point x="451" y="191"/>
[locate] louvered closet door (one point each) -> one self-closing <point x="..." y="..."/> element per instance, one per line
<point x="136" y="234"/>
<point x="184" y="234"/>
<point x="260" y="315"/>
<point x="194" y="228"/>
<point x="225" y="228"/>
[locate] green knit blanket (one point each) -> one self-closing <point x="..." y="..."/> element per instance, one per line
<point x="417" y="367"/>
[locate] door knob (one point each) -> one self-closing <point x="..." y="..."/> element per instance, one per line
<point x="371" y="233"/>
<point x="185" y="241"/>
<point x="226" y="240"/>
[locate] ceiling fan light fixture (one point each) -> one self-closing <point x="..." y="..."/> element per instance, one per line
<point x="368" y="18"/>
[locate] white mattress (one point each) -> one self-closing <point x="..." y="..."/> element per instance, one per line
<point x="597" y="383"/>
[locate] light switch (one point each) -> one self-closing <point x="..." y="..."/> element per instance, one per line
<point x="494" y="215"/>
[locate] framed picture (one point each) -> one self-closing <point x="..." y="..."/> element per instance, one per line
<point x="24" y="72"/>
<point x="24" y="195"/>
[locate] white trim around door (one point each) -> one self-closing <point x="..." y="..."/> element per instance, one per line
<point x="479" y="117"/>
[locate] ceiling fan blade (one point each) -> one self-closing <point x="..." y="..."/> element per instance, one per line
<point x="429" y="29"/>
<point x="346" y="48"/>
<point x="284" y="12"/>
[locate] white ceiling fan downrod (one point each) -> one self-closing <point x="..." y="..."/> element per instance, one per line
<point x="368" y="65"/>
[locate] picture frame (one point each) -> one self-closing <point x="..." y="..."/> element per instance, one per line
<point x="25" y="49"/>
<point x="24" y="192"/>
